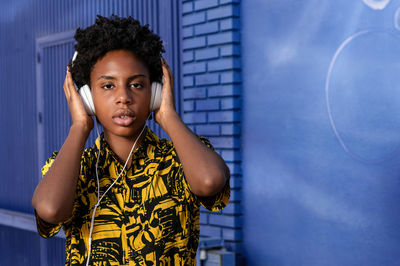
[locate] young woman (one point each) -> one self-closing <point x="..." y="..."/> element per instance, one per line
<point x="132" y="198"/>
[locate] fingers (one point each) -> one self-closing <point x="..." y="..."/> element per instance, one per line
<point x="65" y="86"/>
<point x="69" y="86"/>
<point x="167" y="108"/>
<point x="167" y="73"/>
<point x="75" y="105"/>
<point x="70" y="83"/>
<point x="71" y="94"/>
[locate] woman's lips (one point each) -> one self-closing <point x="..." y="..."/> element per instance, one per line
<point x="124" y="117"/>
<point x="124" y="120"/>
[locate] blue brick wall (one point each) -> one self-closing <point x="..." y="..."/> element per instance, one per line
<point x="212" y="103"/>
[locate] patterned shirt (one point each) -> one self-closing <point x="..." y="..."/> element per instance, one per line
<point x="149" y="217"/>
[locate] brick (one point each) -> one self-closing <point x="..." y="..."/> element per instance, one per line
<point x="207" y="79"/>
<point x="193" y="18"/>
<point x="238" y="247"/>
<point x="193" y="43"/>
<point x="223" y="12"/>
<point x="237" y="174"/>
<point x="188" y="81"/>
<point x="223" y="38"/>
<point x="231" y="155"/>
<point x="236" y="195"/>
<point x="195" y="93"/>
<point x="224" y="90"/>
<point x="205" y="4"/>
<point x="219" y="151"/>
<point x="204" y="210"/>
<point x="207" y="53"/>
<point x="225" y="221"/>
<point x="207" y="230"/>
<point x="193" y="68"/>
<point x="206" y="28"/>
<point x="188" y="32"/>
<point x="229" y="24"/>
<point x="228" y="1"/>
<point x="235" y="169"/>
<point x="207" y="105"/>
<point x="194" y="118"/>
<point x="230" y="50"/>
<point x="231" y="103"/>
<point x="233" y="209"/>
<point x="228" y="155"/>
<point x="223" y="64"/>
<point x="232" y="234"/>
<point x="188" y="56"/>
<point x="208" y="130"/>
<point x="188" y="106"/>
<point x="223" y="116"/>
<point x="187" y="7"/>
<point x="231" y="77"/>
<point x="224" y="142"/>
<point x="235" y="182"/>
<point x="231" y="129"/>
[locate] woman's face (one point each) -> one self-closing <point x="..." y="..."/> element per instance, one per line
<point x="120" y="85"/>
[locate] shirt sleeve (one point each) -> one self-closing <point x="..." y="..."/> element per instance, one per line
<point x="44" y="228"/>
<point x="218" y="201"/>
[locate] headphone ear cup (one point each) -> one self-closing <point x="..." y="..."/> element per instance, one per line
<point x="87" y="100"/>
<point x="156" y="93"/>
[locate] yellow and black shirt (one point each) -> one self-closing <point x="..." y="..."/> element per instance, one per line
<point x="149" y="217"/>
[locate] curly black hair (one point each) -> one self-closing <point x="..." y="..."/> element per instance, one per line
<point x="115" y="33"/>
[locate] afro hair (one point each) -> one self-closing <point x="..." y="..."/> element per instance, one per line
<point x="115" y="33"/>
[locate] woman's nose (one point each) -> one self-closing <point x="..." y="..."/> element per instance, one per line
<point x="124" y="96"/>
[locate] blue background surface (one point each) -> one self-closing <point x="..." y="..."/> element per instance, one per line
<point x="321" y="132"/>
<point x="300" y="97"/>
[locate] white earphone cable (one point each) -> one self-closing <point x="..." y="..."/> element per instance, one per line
<point x="98" y="183"/>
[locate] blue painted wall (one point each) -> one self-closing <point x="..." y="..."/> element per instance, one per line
<point x="321" y="132"/>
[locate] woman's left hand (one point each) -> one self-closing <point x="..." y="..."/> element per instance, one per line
<point x="167" y="107"/>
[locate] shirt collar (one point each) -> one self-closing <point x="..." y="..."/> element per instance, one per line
<point x="146" y="149"/>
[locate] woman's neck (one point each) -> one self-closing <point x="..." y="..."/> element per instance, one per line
<point x="121" y="146"/>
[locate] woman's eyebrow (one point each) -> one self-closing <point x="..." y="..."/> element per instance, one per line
<point x="136" y="76"/>
<point x="106" y="77"/>
<point x="130" y="78"/>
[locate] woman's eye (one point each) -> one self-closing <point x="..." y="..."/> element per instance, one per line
<point x="136" y="85"/>
<point x="108" y="86"/>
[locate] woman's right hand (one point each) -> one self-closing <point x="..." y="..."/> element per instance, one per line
<point x="78" y="113"/>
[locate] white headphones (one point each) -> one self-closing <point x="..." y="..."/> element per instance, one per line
<point x="86" y="95"/>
